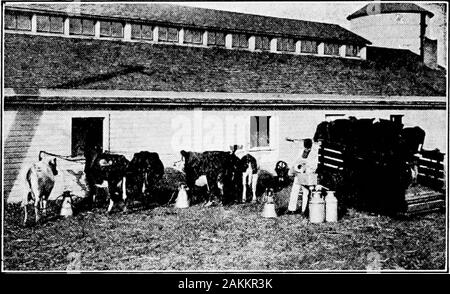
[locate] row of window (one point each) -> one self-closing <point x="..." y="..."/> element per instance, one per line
<point x="139" y="31"/>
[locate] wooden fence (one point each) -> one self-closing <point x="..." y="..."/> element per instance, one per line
<point x="431" y="169"/>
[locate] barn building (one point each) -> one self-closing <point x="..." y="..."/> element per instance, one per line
<point x="163" y="78"/>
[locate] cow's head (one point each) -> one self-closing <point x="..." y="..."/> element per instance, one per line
<point x="52" y="165"/>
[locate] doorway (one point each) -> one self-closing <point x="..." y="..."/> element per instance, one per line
<point x="87" y="132"/>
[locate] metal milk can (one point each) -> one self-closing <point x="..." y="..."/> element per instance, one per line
<point x="316" y="208"/>
<point x="331" y="207"/>
<point x="269" y="205"/>
<point x="66" y="207"/>
<point x="182" y="199"/>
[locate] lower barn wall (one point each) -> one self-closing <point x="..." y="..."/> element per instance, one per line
<point x="26" y="132"/>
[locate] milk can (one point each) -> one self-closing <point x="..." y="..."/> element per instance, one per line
<point x="316" y="208"/>
<point x="66" y="207"/>
<point x="331" y="207"/>
<point x="269" y="205"/>
<point x="182" y="199"/>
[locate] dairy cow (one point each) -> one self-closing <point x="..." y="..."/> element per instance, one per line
<point x="144" y="171"/>
<point x="107" y="171"/>
<point x="248" y="167"/>
<point x="41" y="180"/>
<point x="217" y="170"/>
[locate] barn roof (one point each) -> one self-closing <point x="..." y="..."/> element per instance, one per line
<point x="378" y="8"/>
<point x="205" y="18"/>
<point x="32" y="61"/>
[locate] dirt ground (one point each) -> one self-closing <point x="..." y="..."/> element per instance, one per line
<point x="221" y="238"/>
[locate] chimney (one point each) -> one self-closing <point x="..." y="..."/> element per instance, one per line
<point x="430" y="53"/>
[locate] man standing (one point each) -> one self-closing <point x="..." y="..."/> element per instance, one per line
<point x="304" y="170"/>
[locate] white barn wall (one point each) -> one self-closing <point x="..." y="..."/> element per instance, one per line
<point x="168" y="131"/>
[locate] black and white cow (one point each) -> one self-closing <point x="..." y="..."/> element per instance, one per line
<point x="144" y="171"/>
<point x="217" y="170"/>
<point x="41" y="180"/>
<point x="108" y="171"/>
<point x="248" y="167"/>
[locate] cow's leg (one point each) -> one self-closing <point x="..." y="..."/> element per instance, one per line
<point x="244" y="186"/>
<point x="24" y="204"/>
<point x="36" y="194"/>
<point x="94" y="195"/>
<point x="110" y="206"/>
<point x="37" y="203"/>
<point x="220" y="187"/>
<point x="124" y="193"/>
<point x="211" y="193"/>
<point x="254" y="182"/>
<point x="44" y="207"/>
<point x="26" y="214"/>
<point x="144" y="179"/>
<point x="111" y="202"/>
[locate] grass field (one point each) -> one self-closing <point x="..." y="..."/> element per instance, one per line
<point x="222" y="238"/>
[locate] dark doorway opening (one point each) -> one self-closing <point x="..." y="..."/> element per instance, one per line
<point x="87" y="132"/>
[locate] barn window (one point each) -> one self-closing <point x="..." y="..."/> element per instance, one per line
<point x="49" y="24"/>
<point x="352" y="50"/>
<point x="307" y="46"/>
<point x="168" y="34"/>
<point x="81" y="26"/>
<point x="216" y="39"/>
<point x="193" y="36"/>
<point x="17" y="21"/>
<point x="111" y="29"/>
<point x="87" y="132"/>
<point x="239" y="41"/>
<point x="262" y="43"/>
<point x="141" y="31"/>
<point x="331" y="49"/>
<point x="259" y="131"/>
<point x="285" y="45"/>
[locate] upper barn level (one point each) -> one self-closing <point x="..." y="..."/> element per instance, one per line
<point x="185" y="26"/>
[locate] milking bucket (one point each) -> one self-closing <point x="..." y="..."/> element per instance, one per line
<point x="66" y="207"/>
<point x="316" y="208"/>
<point x="331" y="207"/>
<point x="182" y="199"/>
<point x="269" y="209"/>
